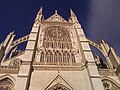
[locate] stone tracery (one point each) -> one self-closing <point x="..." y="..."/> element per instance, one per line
<point x="6" y="84"/>
<point x="109" y="85"/>
<point x="58" y="87"/>
<point x="57" y="47"/>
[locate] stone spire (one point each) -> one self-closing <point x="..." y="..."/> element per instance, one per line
<point x="7" y="40"/>
<point x="73" y="17"/>
<point x="6" y="45"/>
<point x="39" y="15"/>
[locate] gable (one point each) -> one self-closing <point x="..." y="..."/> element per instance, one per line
<point x="56" y="18"/>
<point x="59" y="82"/>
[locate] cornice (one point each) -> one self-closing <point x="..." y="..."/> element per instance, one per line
<point x="9" y="69"/>
<point x="77" y="67"/>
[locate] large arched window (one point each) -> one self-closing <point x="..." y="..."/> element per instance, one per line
<point x="57" y="37"/>
<point x="57" y="46"/>
<point x="6" y="84"/>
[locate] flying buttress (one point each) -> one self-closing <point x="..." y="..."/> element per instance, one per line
<point x="94" y="44"/>
<point x="18" y="41"/>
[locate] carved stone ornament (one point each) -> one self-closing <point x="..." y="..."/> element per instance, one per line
<point x="57" y="47"/>
<point x="59" y="87"/>
<point x="109" y="85"/>
<point x="56" y="18"/>
<point x="15" y="63"/>
<point x="6" y="84"/>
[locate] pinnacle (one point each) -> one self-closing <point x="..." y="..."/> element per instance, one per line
<point x="40" y="11"/>
<point x="56" y="12"/>
<point x="72" y="13"/>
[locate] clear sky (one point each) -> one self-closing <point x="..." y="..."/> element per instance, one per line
<point x="99" y="18"/>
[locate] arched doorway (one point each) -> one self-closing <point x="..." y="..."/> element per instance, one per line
<point x="59" y="87"/>
<point x="6" y="84"/>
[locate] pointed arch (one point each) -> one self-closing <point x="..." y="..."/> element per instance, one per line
<point x="60" y="58"/>
<point x="59" y="83"/>
<point x="55" y="57"/>
<point x="110" y="84"/>
<point x="7" y="82"/>
<point x="68" y="58"/>
<point x="57" y="40"/>
<point x="59" y="87"/>
<point x="73" y="58"/>
<point x="64" y="57"/>
<point x="51" y="56"/>
<point x="8" y="76"/>
<point x="55" y="34"/>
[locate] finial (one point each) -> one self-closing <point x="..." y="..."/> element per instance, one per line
<point x="72" y="13"/>
<point x="70" y="9"/>
<point x="56" y="11"/>
<point x="40" y="11"/>
<point x="99" y="39"/>
<point x="73" y="16"/>
<point x="39" y="15"/>
<point x="13" y="32"/>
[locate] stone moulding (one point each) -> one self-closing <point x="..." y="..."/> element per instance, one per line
<point x="59" y="67"/>
<point x="111" y="83"/>
<point x="56" y="23"/>
<point x="26" y="62"/>
<point x="9" y="69"/>
<point x="106" y="72"/>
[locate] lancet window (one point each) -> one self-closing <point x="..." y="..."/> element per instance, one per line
<point x="57" y="47"/>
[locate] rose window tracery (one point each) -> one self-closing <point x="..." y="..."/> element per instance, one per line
<point x="109" y="85"/>
<point x="57" y="47"/>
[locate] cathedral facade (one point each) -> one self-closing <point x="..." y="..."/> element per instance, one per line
<point x="57" y="57"/>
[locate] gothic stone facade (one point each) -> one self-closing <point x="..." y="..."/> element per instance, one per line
<point x="57" y="57"/>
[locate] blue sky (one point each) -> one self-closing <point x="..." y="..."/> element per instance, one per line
<point x="99" y="18"/>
